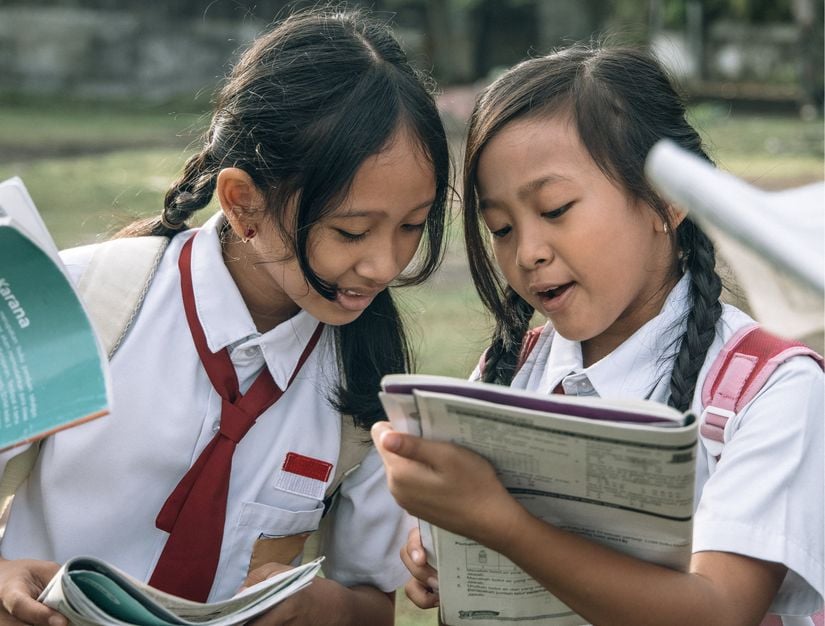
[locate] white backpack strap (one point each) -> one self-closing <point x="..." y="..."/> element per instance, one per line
<point x="112" y="288"/>
<point x="115" y="283"/>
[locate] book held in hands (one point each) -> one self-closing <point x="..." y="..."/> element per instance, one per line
<point x="90" y="592"/>
<point x="618" y="472"/>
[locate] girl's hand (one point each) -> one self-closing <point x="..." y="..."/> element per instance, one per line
<point x="422" y="588"/>
<point x="21" y="582"/>
<point x="447" y="485"/>
<point x="323" y="602"/>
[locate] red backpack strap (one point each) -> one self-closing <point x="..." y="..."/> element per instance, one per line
<point x="746" y="361"/>
<point x="529" y="342"/>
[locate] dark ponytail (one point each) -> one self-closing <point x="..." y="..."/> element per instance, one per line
<point x="303" y="108"/>
<point x="622" y="103"/>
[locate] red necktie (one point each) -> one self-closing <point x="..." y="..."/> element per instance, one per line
<point x="195" y="512"/>
<point x="559" y="389"/>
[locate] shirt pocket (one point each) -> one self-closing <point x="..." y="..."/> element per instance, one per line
<point x="270" y="534"/>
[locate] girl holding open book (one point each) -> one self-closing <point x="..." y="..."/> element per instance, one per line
<point x="262" y="336"/>
<point x="554" y="188"/>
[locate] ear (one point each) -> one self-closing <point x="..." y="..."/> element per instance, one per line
<point x="676" y="216"/>
<point x="241" y="201"/>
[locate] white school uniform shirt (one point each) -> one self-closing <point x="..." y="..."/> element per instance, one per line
<point x="764" y="498"/>
<point x="97" y="488"/>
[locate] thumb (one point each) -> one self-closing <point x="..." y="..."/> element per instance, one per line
<point x="389" y="441"/>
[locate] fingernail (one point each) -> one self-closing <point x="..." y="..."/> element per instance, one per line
<point x="417" y="557"/>
<point x="390" y="440"/>
<point x="56" y="620"/>
<point x="432" y="583"/>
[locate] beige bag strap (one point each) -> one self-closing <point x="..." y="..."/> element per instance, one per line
<point x="115" y="283"/>
<point x="112" y="288"/>
<point x="355" y="443"/>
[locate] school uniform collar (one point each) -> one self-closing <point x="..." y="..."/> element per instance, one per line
<point x="227" y="322"/>
<point x="638" y="368"/>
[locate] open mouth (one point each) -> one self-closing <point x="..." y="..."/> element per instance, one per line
<point x="551" y="294"/>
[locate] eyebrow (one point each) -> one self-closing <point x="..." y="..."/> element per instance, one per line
<point x="527" y="189"/>
<point x="372" y="212"/>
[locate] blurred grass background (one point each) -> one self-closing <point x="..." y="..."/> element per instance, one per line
<point x="93" y="168"/>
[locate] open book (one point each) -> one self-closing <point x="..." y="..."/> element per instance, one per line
<point x="90" y="592"/>
<point x="618" y="472"/>
<point x="53" y="373"/>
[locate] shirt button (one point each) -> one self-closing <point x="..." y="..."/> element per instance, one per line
<point x="216" y="426"/>
<point x="250" y="352"/>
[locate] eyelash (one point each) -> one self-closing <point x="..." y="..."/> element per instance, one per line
<point x="556" y="213"/>
<point x="351" y="237"/>
<point x="354" y="237"/>
<point x="551" y="215"/>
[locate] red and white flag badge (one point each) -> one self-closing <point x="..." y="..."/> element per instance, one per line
<point x="303" y="475"/>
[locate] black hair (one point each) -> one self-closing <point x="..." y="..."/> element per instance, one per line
<point x="302" y="109"/>
<point x="621" y="102"/>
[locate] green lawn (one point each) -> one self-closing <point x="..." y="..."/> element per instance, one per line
<point x="92" y="169"/>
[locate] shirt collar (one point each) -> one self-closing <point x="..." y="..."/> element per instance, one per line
<point x="635" y="369"/>
<point x="223" y="314"/>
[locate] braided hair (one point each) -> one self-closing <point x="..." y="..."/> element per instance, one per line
<point x="622" y="102"/>
<point x="303" y="108"/>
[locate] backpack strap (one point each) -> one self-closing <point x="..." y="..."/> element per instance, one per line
<point x="740" y="370"/>
<point x="355" y="444"/>
<point x="115" y="283"/>
<point x="743" y="366"/>
<point x="528" y="342"/>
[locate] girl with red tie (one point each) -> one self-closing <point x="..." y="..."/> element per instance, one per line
<point x="262" y="334"/>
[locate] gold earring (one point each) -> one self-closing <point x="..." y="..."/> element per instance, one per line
<point x="665" y="228"/>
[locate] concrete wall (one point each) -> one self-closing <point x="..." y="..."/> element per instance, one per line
<point x="111" y="54"/>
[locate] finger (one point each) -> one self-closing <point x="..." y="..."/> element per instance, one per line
<point x="394" y="464"/>
<point x="267" y="570"/>
<point x="407" y="446"/>
<point x="421" y="571"/>
<point x="420" y="595"/>
<point x="25" y="609"/>
<point x="415" y="548"/>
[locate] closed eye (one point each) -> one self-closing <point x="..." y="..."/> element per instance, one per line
<point x="349" y="236"/>
<point x="556" y="213"/>
<point x="413" y="227"/>
<point x="501" y="232"/>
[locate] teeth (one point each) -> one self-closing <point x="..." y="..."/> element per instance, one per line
<point x="350" y="292"/>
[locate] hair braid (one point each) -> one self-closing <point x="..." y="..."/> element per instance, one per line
<point x="191" y="192"/>
<point x="705" y="289"/>
<point x="501" y="359"/>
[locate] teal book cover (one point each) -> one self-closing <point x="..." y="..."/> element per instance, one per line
<point x="52" y="375"/>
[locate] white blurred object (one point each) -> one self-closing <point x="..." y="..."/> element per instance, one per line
<point x="773" y="241"/>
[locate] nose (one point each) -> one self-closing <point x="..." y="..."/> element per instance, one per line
<point x="382" y="262"/>
<point x="534" y="249"/>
